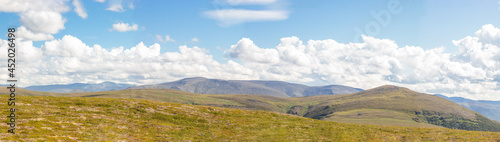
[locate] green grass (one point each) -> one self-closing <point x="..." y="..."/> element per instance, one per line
<point x="109" y="119"/>
<point x="377" y="117"/>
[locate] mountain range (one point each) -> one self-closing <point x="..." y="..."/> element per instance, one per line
<point x="271" y="88"/>
<point x="80" y="87"/>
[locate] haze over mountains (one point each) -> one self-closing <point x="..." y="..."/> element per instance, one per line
<point x="271" y="88"/>
<point x="79" y="87"/>
<point x="490" y="109"/>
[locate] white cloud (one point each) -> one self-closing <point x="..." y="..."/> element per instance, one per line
<point x="117" y="7"/>
<point x="17" y="6"/>
<point x="124" y="27"/>
<point x="228" y="17"/>
<point x="249" y="2"/>
<point x="69" y="60"/>
<point x="26" y="34"/>
<point x="159" y="38"/>
<point x="42" y="21"/>
<point x="247" y="51"/>
<point x="489" y="34"/>
<point x="39" y="19"/>
<point x="166" y="39"/>
<point x="472" y="73"/>
<point x="79" y="9"/>
<point x="195" y="39"/>
<point x="101" y="1"/>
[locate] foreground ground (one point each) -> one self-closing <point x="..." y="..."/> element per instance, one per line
<point x="99" y="119"/>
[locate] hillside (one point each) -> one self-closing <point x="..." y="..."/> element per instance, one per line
<point x="391" y="104"/>
<point x="490" y="109"/>
<point x="270" y="88"/>
<point x="42" y="118"/>
<point x="386" y="105"/>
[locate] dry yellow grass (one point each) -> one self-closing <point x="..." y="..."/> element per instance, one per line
<point x="111" y="119"/>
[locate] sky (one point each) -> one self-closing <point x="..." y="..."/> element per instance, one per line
<point x="436" y="47"/>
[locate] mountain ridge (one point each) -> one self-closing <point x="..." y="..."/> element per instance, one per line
<point x="79" y="87"/>
<point x="256" y="87"/>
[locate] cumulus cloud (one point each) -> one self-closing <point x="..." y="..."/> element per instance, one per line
<point x="69" y="60"/>
<point x="247" y="51"/>
<point x="42" y="21"/>
<point x="124" y="27"/>
<point x="489" y="34"/>
<point x="79" y="9"/>
<point x="26" y="34"/>
<point x="238" y="16"/>
<point x="39" y="19"/>
<point x="472" y="73"/>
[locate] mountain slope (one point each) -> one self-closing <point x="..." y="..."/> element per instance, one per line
<point x="111" y="119"/>
<point x="79" y="87"/>
<point x="490" y="109"/>
<point x="271" y="88"/>
<point x="404" y="103"/>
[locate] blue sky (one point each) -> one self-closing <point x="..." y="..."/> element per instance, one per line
<point x="428" y="24"/>
<point x="263" y="39"/>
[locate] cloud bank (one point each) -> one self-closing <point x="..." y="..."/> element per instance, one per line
<point x="472" y="73"/>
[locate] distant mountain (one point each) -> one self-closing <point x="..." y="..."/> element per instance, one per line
<point x="271" y="88"/>
<point x="79" y="87"/>
<point x="490" y="109"/>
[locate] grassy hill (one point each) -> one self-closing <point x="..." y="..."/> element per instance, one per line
<point x="47" y="118"/>
<point x="386" y="105"/>
<point x="393" y="105"/>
